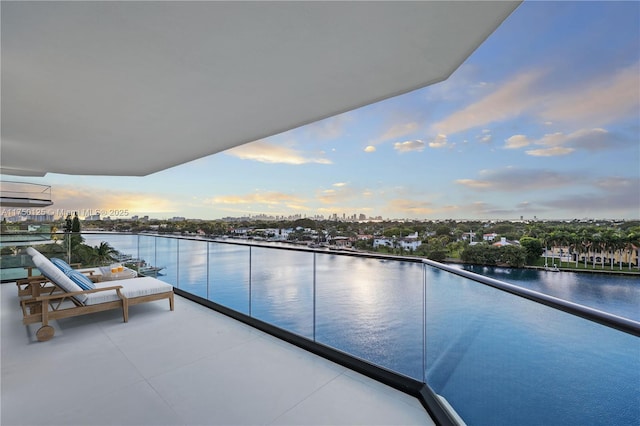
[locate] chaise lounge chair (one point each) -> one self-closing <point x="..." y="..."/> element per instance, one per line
<point x="36" y="285"/>
<point x="78" y="296"/>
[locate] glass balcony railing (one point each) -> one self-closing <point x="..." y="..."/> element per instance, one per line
<point x="24" y="194"/>
<point x="486" y="352"/>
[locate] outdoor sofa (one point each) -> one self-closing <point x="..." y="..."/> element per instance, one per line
<point x="71" y="293"/>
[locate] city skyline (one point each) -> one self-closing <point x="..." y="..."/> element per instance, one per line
<point x="542" y="120"/>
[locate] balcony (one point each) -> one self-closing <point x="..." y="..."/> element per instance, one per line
<point x="465" y="347"/>
<point x="192" y="366"/>
<point x="23" y="194"/>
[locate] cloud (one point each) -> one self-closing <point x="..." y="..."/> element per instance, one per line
<point x="409" y="146"/>
<point x="265" y="152"/>
<point x="340" y="184"/>
<point x="511" y="179"/>
<point x="562" y="144"/>
<point x="339" y="194"/>
<point x="615" y="183"/>
<point x="439" y="141"/>
<point x="485" y="136"/>
<point x="600" y="102"/>
<point x="610" y="195"/>
<point x="475" y="184"/>
<point x="88" y="201"/>
<point x="510" y="100"/>
<point x="411" y="207"/>
<point x="329" y="128"/>
<point x="265" y="198"/>
<point x="370" y="148"/>
<point x="517" y="141"/>
<point x="606" y="99"/>
<point x="397" y="131"/>
<point x="550" y="152"/>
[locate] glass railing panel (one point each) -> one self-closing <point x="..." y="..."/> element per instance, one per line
<point x="126" y="244"/>
<point x="501" y="359"/>
<point x="192" y="266"/>
<point x="21" y="194"/>
<point x="165" y="256"/>
<point x="14" y="263"/>
<point x="372" y="309"/>
<point x="229" y="275"/>
<point x="147" y="251"/>
<point x="14" y="239"/>
<point x="282" y="289"/>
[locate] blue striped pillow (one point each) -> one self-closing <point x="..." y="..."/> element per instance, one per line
<point x="62" y="265"/>
<point x="80" y="279"/>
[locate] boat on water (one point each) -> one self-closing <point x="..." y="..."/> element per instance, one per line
<point x="150" y="270"/>
<point x="139" y="264"/>
<point x="552" y="268"/>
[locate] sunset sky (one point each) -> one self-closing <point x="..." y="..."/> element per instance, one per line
<point x="542" y="120"/>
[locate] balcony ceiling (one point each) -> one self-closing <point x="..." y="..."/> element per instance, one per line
<point x="132" y="88"/>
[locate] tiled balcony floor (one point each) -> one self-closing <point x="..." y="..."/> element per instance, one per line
<point x="192" y="366"/>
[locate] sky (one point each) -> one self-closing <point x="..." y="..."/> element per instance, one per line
<point x="541" y="121"/>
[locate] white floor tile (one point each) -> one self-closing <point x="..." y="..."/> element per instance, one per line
<point x="192" y="366"/>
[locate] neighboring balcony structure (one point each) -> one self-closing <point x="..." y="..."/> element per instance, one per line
<point x="23" y="194"/>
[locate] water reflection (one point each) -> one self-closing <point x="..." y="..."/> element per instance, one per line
<point x="619" y="295"/>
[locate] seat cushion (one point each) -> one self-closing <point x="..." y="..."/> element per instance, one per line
<point x="131" y="288"/>
<point x="58" y="277"/>
<point x="35" y="254"/>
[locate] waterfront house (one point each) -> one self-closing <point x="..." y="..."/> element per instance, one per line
<point x="489" y="237"/>
<point x="627" y="255"/>
<point x="504" y="242"/>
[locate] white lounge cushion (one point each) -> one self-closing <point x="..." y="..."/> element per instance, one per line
<point x="132" y="287"/>
<point x="35" y="254"/>
<point x="58" y="277"/>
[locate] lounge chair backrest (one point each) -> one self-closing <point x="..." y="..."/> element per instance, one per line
<point x="32" y="252"/>
<point x="58" y="277"/>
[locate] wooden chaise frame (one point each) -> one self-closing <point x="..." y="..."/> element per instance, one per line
<point x="35" y="286"/>
<point x="52" y="306"/>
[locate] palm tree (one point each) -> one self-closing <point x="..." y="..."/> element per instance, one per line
<point x="596" y="244"/>
<point x="585" y="244"/>
<point x="633" y="242"/>
<point x="609" y="245"/>
<point x="623" y="244"/>
<point x="573" y="240"/>
<point x="101" y="254"/>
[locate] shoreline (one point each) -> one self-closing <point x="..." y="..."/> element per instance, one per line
<point x="560" y="268"/>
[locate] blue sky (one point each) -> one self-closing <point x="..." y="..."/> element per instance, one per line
<point x="542" y="120"/>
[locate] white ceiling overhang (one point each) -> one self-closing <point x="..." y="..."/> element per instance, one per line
<point x="131" y="88"/>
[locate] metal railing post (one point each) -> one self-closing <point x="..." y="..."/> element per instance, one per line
<point x="314" y="296"/>
<point x="250" y="281"/>
<point x="207" y="270"/>
<point x="178" y="263"/>
<point x="424" y="323"/>
<point x="138" y="254"/>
